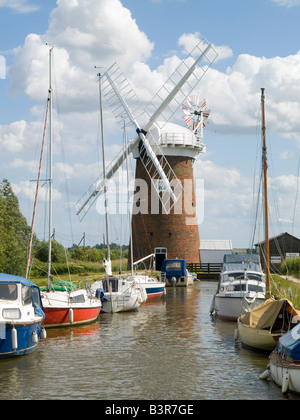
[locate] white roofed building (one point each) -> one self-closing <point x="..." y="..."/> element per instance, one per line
<point x="213" y="250"/>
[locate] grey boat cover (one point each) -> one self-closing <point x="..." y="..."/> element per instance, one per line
<point x="240" y="258"/>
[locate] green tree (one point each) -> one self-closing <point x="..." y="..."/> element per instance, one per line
<point x="3" y="239"/>
<point x="41" y="252"/>
<point x="14" y="232"/>
<point x="85" y="253"/>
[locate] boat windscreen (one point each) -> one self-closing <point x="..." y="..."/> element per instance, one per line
<point x="8" y="291"/>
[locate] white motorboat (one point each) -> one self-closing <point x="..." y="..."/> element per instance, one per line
<point x="241" y="286"/>
<point x="21" y="316"/>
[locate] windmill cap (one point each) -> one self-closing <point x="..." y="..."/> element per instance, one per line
<point x="173" y="140"/>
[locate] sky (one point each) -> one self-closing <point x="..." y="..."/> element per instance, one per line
<point x="258" y="46"/>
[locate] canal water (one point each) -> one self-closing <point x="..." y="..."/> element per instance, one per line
<point x="170" y="349"/>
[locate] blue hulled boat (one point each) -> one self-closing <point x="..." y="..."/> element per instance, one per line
<point x="175" y="273"/>
<point x="21" y="316"/>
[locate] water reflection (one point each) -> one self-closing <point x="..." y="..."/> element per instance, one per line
<point x="169" y="349"/>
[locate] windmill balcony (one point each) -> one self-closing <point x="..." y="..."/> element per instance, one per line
<point x="180" y="140"/>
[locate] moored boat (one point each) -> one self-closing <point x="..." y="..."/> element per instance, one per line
<point x="154" y="288"/>
<point x="175" y="273"/>
<point x="66" y="305"/>
<point x="63" y="307"/>
<point x="241" y="286"/>
<point x="262" y="327"/>
<point x="118" y="295"/>
<point x="284" y="366"/>
<point x="21" y="316"/>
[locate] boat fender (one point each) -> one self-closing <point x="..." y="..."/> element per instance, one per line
<point x="34" y="337"/>
<point x="250" y="301"/>
<point x="265" y="374"/>
<point x="71" y="316"/>
<point x="285" y="382"/>
<point x="236" y="334"/>
<point x="43" y="333"/>
<point x="144" y="295"/>
<point x="14" y="338"/>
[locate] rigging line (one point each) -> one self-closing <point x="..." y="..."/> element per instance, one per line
<point x="62" y="151"/>
<point x="256" y="211"/>
<point x="273" y="189"/>
<point x="36" y="192"/>
<point x="256" y="200"/>
<point x="296" y="198"/>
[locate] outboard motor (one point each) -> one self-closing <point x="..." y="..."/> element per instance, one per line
<point x="173" y="281"/>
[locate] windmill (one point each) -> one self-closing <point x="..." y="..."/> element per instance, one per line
<point x="151" y="144"/>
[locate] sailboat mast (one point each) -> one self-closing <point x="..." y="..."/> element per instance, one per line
<point x="50" y="170"/>
<point x="36" y="195"/>
<point x="104" y="171"/>
<point x="266" y="215"/>
<point x="128" y="198"/>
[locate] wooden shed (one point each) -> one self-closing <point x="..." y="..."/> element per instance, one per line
<point x="282" y="246"/>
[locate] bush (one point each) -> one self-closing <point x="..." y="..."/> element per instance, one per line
<point x="57" y="252"/>
<point x="85" y="253"/>
<point x="40" y="269"/>
<point x="291" y="266"/>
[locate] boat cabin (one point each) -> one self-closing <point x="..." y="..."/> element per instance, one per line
<point x="176" y="268"/>
<point x="19" y="299"/>
<point x="174" y="272"/>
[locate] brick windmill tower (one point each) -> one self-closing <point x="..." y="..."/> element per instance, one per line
<point x="155" y="226"/>
<point x="164" y="212"/>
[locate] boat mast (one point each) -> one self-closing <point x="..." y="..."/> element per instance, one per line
<point x="265" y="169"/>
<point x="128" y="198"/>
<point x="36" y="195"/>
<point x="50" y="170"/>
<point x="108" y="262"/>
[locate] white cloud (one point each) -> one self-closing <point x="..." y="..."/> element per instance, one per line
<point x="77" y="28"/>
<point x="88" y="33"/>
<point x="85" y="33"/>
<point x="287" y="3"/>
<point x="12" y="136"/>
<point x="27" y="189"/>
<point x="234" y="96"/>
<point x="20" y="6"/>
<point x="98" y="33"/>
<point x="19" y="163"/>
<point x="189" y="41"/>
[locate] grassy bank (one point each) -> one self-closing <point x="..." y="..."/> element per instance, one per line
<point x="283" y="288"/>
<point x="82" y="271"/>
<point x="74" y="271"/>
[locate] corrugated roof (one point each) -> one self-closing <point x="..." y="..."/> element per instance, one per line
<point x="216" y="244"/>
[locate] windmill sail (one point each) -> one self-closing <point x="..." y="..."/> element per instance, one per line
<point x="118" y="92"/>
<point x="123" y="103"/>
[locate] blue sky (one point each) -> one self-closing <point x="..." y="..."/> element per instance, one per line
<point x="258" y="42"/>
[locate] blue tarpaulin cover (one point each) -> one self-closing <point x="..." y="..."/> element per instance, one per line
<point x="174" y="267"/>
<point x="289" y="343"/>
